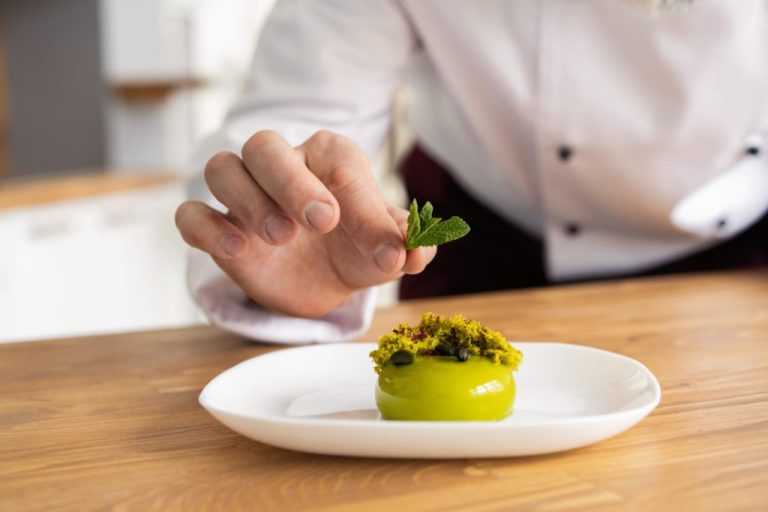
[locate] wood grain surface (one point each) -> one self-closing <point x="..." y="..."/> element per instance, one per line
<point x="112" y="422"/>
<point x="40" y="190"/>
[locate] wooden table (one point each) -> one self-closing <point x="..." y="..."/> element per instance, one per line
<point x="112" y="422"/>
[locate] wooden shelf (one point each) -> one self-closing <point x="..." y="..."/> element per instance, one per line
<point x="153" y="90"/>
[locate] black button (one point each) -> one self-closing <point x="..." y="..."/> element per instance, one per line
<point x="721" y="223"/>
<point x="753" y="150"/>
<point x="565" y="153"/>
<point x="572" y="229"/>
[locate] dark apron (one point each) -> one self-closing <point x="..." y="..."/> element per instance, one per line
<point x="497" y="255"/>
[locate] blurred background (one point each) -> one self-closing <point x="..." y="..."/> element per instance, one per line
<point x="101" y="102"/>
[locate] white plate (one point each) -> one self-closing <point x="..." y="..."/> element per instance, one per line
<point x="320" y="399"/>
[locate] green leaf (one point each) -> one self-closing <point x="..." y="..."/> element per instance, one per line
<point x="425" y="230"/>
<point x="442" y="232"/>
<point x="430" y="224"/>
<point x="414" y="224"/>
<point x="425" y="215"/>
<point x="426" y="227"/>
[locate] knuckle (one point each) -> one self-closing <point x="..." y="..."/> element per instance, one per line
<point x="292" y="191"/>
<point x="325" y="147"/>
<point x="342" y="181"/>
<point x="323" y="139"/>
<point x="357" y="229"/>
<point x="253" y="214"/>
<point x="324" y="142"/>
<point x="260" y="140"/>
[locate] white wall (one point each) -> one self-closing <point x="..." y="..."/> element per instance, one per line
<point x="209" y="41"/>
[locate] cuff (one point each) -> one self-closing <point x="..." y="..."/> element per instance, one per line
<point x="228" y="307"/>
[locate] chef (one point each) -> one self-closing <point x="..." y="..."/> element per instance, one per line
<point x="579" y="139"/>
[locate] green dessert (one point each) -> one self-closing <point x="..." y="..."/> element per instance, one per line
<point x="445" y="369"/>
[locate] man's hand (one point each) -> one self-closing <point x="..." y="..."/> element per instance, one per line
<point x="306" y="226"/>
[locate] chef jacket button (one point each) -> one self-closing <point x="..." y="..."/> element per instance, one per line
<point x="753" y="150"/>
<point x="572" y="229"/>
<point x="722" y="223"/>
<point x="565" y="153"/>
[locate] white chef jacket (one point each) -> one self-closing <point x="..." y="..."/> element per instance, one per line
<point x="623" y="140"/>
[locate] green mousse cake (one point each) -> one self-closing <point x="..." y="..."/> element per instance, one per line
<point x="445" y="369"/>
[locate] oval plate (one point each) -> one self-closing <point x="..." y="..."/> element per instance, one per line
<point x="320" y="399"/>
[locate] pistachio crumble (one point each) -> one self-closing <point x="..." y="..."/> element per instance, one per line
<point x="454" y="336"/>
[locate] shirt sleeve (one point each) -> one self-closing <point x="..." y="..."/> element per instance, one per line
<point x="319" y="64"/>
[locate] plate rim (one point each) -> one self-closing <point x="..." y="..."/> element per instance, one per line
<point x="640" y="411"/>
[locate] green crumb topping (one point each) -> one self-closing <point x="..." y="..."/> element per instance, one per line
<point x="435" y="334"/>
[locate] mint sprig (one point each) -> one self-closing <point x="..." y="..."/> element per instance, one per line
<point x="425" y="230"/>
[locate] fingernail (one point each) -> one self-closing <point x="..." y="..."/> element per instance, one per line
<point x="386" y="256"/>
<point x="319" y="214"/>
<point x="278" y="228"/>
<point x="231" y="245"/>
